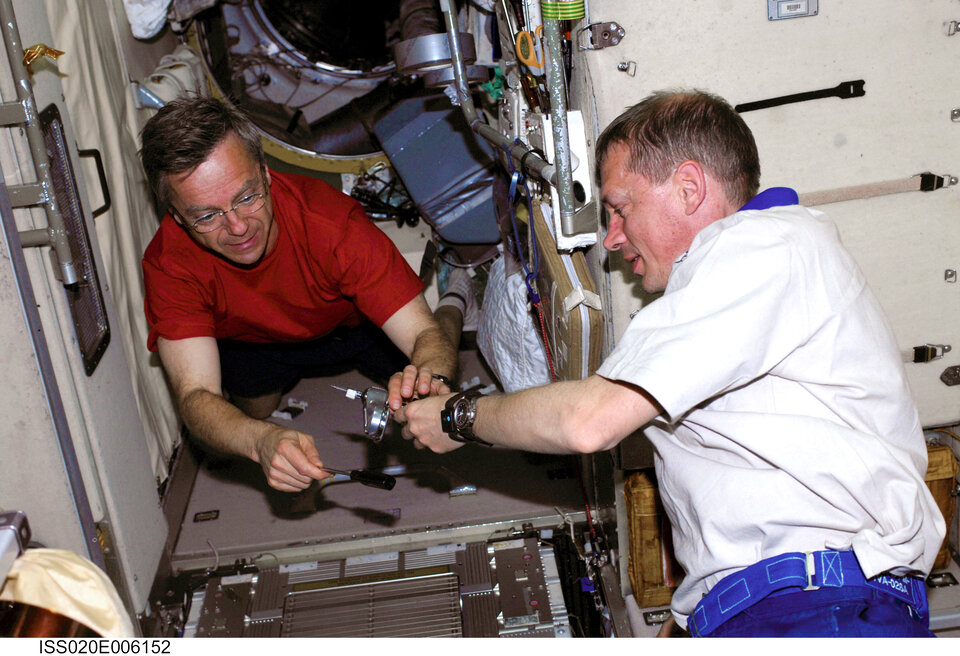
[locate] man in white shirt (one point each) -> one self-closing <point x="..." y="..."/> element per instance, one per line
<point x="789" y="452"/>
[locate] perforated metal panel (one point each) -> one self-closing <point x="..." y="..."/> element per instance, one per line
<point x="85" y="297"/>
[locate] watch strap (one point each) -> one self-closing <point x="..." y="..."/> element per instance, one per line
<point x="463" y="434"/>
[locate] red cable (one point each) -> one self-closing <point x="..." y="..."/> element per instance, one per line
<point x="546" y="342"/>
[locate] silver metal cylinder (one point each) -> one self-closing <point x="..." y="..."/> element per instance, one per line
<point x="556" y="82"/>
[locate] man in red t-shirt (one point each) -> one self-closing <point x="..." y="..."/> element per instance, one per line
<point x="256" y="278"/>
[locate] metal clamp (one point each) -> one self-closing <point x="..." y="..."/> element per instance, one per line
<point x="601" y="35"/>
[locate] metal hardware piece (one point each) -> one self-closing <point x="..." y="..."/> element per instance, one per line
<point x="12" y="113"/>
<point x="14" y="536"/>
<point x="656" y="617"/>
<point x="423" y="53"/>
<point x="376" y="412"/>
<point x="950" y="275"/>
<point x="783" y="9"/>
<point x="601" y="35"/>
<point x="930" y="352"/>
<point x="628" y="67"/>
<point x="951" y="376"/>
<point x="102" y="176"/>
<point x="955" y="115"/>
<point x="941" y="580"/>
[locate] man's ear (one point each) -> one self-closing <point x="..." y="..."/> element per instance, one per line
<point x="691" y="185"/>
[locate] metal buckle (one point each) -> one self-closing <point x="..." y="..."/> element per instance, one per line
<point x="811" y="565"/>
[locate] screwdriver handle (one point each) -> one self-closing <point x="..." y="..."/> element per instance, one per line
<point x="373" y="479"/>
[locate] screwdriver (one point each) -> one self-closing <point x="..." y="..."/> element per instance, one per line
<point x="349" y="393"/>
<point x="368" y="478"/>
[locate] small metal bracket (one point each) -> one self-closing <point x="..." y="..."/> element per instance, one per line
<point x="12" y="114"/>
<point x="952" y="27"/>
<point x="782" y="9"/>
<point x="601" y="35"/>
<point x="941" y="580"/>
<point x="656" y="617"/>
<point x="930" y="352"/>
<point x="628" y="67"/>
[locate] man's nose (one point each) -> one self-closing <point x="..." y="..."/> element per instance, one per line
<point x="614" y="238"/>
<point x="234" y="223"/>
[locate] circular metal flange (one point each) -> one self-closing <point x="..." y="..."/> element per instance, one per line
<point x="441" y="77"/>
<point x="431" y="51"/>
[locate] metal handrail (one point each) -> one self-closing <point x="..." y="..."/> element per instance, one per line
<point x="55" y="235"/>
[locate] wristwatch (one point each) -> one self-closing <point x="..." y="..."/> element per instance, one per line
<point x="458" y="415"/>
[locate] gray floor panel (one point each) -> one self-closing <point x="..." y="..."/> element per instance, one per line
<point x="233" y="514"/>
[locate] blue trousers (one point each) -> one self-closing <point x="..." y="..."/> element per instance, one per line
<point x="851" y="612"/>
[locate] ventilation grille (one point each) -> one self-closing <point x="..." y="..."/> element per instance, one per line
<point x="412" y="608"/>
<point x="85" y="298"/>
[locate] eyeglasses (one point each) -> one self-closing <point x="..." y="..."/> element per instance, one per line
<point x="246" y="206"/>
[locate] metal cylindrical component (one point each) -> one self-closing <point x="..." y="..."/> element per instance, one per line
<point x="563" y="9"/>
<point x="431" y="51"/>
<point x="556" y="81"/>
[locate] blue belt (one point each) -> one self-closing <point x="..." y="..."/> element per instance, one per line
<point x="807" y="571"/>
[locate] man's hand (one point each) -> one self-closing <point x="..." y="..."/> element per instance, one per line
<point x="418" y="335"/>
<point x="289" y="459"/>
<point x="421" y="423"/>
<point x="412" y="383"/>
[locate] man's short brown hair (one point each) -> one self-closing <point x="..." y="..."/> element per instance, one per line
<point x="184" y="132"/>
<point x="668" y="128"/>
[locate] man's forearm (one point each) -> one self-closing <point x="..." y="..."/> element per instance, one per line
<point x="540" y="419"/>
<point x="434" y="349"/>
<point x="220" y="425"/>
<point x="451" y="322"/>
<point x="581" y="416"/>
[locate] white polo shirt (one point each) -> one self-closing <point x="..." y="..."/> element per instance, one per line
<point x="789" y="424"/>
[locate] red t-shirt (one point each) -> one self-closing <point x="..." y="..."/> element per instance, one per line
<point x="330" y="267"/>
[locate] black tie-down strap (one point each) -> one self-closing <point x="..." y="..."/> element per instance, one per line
<point x="844" y="90"/>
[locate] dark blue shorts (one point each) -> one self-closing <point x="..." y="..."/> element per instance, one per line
<point x="250" y="369"/>
<point x="851" y="612"/>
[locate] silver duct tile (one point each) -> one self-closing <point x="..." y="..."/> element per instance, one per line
<point x="424" y="558"/>
<point x="415" y="608"/>
<point x="308" y="573"/>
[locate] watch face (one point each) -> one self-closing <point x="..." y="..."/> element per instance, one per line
<point x="461" y="417"/>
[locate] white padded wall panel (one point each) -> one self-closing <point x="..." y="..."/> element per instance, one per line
<point x="900" y="127"/>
